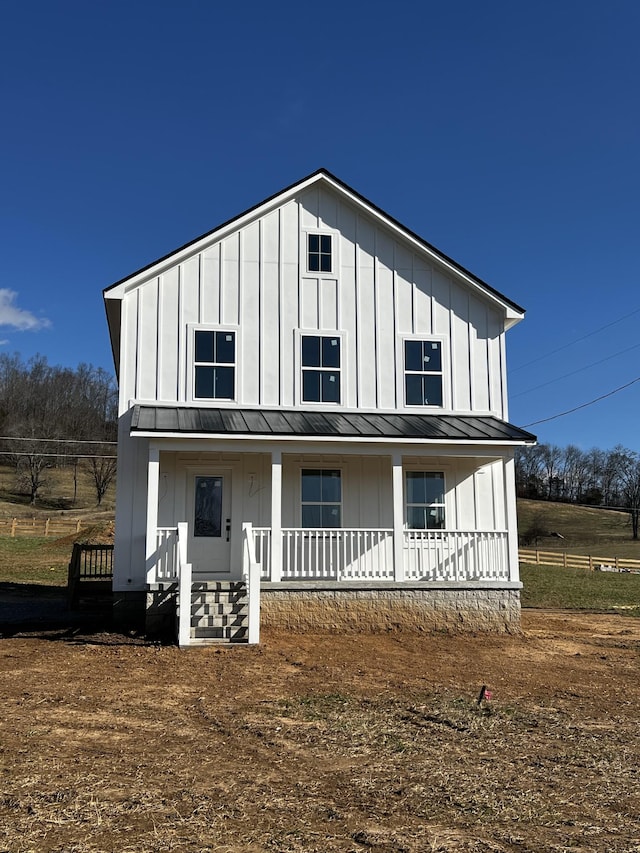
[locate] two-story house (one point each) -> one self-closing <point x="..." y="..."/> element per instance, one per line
<point x="313" y="391"/>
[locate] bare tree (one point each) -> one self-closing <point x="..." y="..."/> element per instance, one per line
<point x="551" y="456"/>
<point x="630" y="488"/>
<point x="529" y="471"/>
<point x="31" y="473"/>
<point x="102" y="471"/>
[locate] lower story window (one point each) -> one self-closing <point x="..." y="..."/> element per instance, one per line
<point x="321" y="498"/>
<point x="425" y="500"/>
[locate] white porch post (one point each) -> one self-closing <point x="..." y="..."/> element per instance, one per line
<point x="512" y="518"/>
<point x="398" y="517"/>
<point x="276" y="515"/>
<point x="153" y="478"/>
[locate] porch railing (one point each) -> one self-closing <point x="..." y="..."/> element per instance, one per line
<point x="166" y="554"/>
<point x="344" y="554"/>
<point x="455" y="555"/>
<point x="362" y="554"/>
<point x="262" y="547"/>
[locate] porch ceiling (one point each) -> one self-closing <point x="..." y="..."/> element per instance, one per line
<point x="260" y="422"/>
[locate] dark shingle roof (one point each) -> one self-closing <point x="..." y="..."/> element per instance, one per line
<point x="261" y="422"/>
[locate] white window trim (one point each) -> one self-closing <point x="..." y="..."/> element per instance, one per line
<point x="318" y="333"/>
<point x="421" y="469"/>
<point x="216" y="402"/>
<point x="304" y="252"/>
<point x="317" y="467"/>
<point x="401" y="372"/>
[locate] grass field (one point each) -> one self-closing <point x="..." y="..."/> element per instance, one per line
<point x="585" y="530"/>
<point x="579" y="589"/>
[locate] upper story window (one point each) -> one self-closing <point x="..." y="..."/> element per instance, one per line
<point x="319" y="256"/>
<point x="320" y="369"/>
<point x="423" y="373"/>
<point x="321" y="498"/>
<point x="214" y="365"/>
<point x="425" y="500"/>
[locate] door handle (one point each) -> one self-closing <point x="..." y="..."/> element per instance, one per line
<point x="228" y="529"/>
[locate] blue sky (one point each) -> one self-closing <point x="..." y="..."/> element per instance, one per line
<point x="507" y="134"/>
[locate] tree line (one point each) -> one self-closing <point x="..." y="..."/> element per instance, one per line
<point x="609" y="478"/>
<point x="53" y="416"/>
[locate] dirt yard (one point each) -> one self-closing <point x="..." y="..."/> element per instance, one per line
<point x="327" y="744"/>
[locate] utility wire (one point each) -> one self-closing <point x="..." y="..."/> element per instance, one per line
<point x="573" y="372"/>
<point x="56" y="440"/>
<point x="57" y="455"/>
<point x="576" y="341"/>
<point x="584" y="405"/>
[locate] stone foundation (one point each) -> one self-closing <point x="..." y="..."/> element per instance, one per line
<point x="445" y="607"/>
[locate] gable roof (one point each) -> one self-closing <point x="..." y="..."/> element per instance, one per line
<point x="115" y="292"/>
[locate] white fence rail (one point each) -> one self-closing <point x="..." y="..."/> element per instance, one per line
<point x="456" y="555"/>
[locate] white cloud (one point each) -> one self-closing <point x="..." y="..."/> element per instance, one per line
<point x="18" y="318"/>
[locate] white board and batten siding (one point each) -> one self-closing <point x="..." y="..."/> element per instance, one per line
<point x="254" y="281"/>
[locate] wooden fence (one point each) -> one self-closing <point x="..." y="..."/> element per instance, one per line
<point x="40" y="526"/>
<point x="574" y="561"/>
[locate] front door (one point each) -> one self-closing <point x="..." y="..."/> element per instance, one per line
<point x="209" y="514"/>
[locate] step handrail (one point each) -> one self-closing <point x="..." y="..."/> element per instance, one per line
<point x="184" y="587"/>
<point x="251" y="570"/>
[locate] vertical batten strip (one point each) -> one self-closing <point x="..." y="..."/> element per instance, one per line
<point x="261" y="329"/>
<point x="181" y="365"/>
<point x="395" y="326"/>
<point x="376" y="343"/>
<point x="136" y="349"/>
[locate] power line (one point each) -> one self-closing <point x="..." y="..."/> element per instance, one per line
<point x="57" y="440"/>
<point x="576" y="341"/>
<point x="573" y="372"/>
<point x="584" y="405"/>
<point x="58" y="455"/>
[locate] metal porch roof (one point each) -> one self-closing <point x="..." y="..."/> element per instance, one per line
<point x="274" y="423"/>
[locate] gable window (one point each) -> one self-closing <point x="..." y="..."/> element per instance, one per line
<point x="214" y="365"/>
<point x="320" y="368"/>
<point x="319" y="253"/>
<point x="425" y="500"/>
<point x="423" y="373"/>
<point x="321" y="498"/>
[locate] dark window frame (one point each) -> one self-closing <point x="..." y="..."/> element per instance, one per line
<point x="423" y="386"/>
<point x="212" y="364"/>
<point x="321" y="368"/>
<point x="320" y="246"/>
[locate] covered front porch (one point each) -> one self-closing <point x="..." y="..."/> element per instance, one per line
<point x="311" y="515"/>
<point x="322" y="513"/>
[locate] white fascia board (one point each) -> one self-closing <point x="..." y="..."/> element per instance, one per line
<point x="256" y="438"/>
